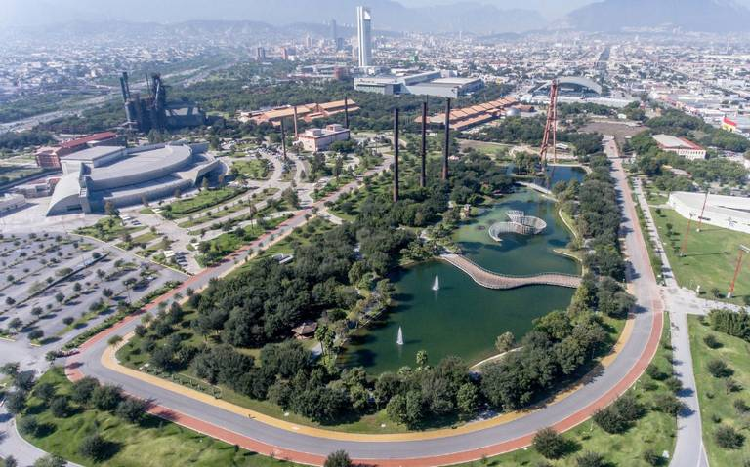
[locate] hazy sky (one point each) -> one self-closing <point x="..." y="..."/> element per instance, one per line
<point x="549" y="8"/>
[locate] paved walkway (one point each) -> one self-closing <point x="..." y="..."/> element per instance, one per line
<point x="12" y="444"/>
<point x="491" y="280"/>
<point x="689" y="449"/>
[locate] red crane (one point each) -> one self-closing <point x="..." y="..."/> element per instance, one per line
<point x="743" y="249"/>
<point x="550" y="130"/>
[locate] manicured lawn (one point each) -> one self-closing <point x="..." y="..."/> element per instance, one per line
<point x="203" y="200"/>
<point x="655" y="431"/>
<point x="713" y="397"/>
<point x="108" y="229"/>
<point x="228" y="242"/>
<point x="155" y="442"/>
<point x="228" y="209"/>
<point x="257" y="169"/>
<point x="711" y="255"/>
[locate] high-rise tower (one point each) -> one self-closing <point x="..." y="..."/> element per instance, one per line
<point x="364" y="36"/>
<point x="334" y="31"/>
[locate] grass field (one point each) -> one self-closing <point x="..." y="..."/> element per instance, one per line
<point x="711" y="256"/>
<point x="716" y="404"/>
<point x="655" y="431"/>
<point x="228" y="209"/>
<point x="229" y="241"/>
<point x="204" y="200"/>
<point x="154" y="443"/>
<point x="108" y="229"/>
<point x="255" y="169"/>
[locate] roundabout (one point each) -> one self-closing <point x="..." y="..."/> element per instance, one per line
<point x="443" y="447"/>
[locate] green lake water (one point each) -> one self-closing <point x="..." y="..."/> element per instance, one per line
<point x="462" y="318"/>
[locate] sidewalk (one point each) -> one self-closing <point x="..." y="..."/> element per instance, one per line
<point x="12" y="444"/>
<point x="689" y="449"/>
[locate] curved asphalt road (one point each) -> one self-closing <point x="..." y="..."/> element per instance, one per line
<point x="576" y="408"/>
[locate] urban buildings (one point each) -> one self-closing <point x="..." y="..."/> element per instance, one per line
<point x="9" y="203"/>
<point x="468" y="117"/>
<point x="306" y="112"/>
<point x="428" y="83"/>
<point x="318" y="139"/>
<point x="680" y="146"/>
<point x="364" y="37"/>
<point x="48" y="157"/>
<point x="127" y="176"/>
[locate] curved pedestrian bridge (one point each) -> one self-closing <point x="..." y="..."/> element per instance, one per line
<point x="491" y="280"/>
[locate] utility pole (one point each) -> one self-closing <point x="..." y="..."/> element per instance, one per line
<point x="283" y="138"/>
<point x="346" y="112"/>
<point x="395" y="150"/>
<point x="743" y="249"/>
<point x="700" y="218"/>
<point x="296" y="129"/>
<point x="447" y="142"/>
<point x="683" y="249"/>
<point x="423" y="172"/>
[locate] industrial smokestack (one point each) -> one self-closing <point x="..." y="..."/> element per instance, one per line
<point x="446" y="144"/>
<point x="423" y="172"/>
<point x="395" y="150"/>
<point x="283" y="139"/>
<point x="346" y="112"/>
<point x="296" y="131"/>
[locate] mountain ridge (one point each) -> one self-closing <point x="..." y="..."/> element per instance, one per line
<point x="692" y="15"/>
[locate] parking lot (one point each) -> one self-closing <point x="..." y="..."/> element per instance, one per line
<point x="53" y="286"/>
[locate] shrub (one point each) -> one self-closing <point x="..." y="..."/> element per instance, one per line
<point x="610" y="420"/>
<point x="45" y="392"/>
<point x="106" y="397"/>
<point x="668" y="403"/>
<point x="338" y="458"/>
<point x="550" y="443"/>
<point x="732" y="385"/>
<point x="629" y="407"/>
<point x="132" y="410"/>
<point x="740" y="406"/>
<point x="28" y="425"/>
<point x="655" y="373"/>
<point x="652" y="457"/>
<point x="15" y="402"/>
<point x="674" y="384"/>
<point x="711" y="341"/>
<point x="83" y="389"/>
<point x="93" y="447"/>
<point x="59" y="407"/>
<point x="50" y="460"/>
<point x="718" y="368"/>
<point x="728" y="438"/>
<point x="590" y="459"/>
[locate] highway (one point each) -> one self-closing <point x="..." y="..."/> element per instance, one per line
<point x="467" y="443"/>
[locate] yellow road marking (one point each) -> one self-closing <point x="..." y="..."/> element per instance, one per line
<point x="109" y="361"/>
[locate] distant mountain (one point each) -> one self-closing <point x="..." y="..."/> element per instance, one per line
<point x="467" y="16"/>
<point x="692" y="15"/>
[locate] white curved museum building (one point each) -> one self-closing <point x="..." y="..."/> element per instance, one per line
<point x="729" y="212"/>
<point x="128" y="176"/>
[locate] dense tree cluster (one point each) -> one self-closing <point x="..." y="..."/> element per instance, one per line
<point x="12" y="140"/>
<point x="678" y="123"/>
<point x="652" y="161"/>
<point x="593" y="203"/>
<point x="735" y="324"/>
<point x="555" y="350"/>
